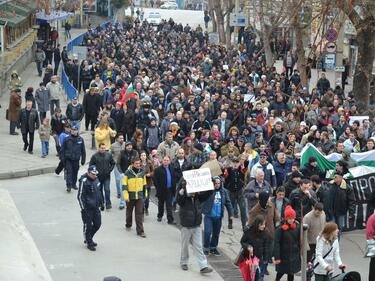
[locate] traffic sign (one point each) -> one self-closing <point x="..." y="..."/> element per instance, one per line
<point x="331" y="35"/>
<point x="340" y="68"/>
<point x="330" y="61"/>
<point x="331" y="47"/>
<point x="238" y="19"/>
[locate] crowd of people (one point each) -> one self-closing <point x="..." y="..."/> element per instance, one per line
<point x="161" y="101"/>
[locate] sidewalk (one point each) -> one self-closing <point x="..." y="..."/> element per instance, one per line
<point x="20" y="163"/>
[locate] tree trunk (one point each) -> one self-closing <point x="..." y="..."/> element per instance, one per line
<point x="363" y="69"/>
<point x="211" y="12"/>
<point x="228" y="35"/>
<point x="220" y="23"/>
<point x="301" y="59"/>
<point x="267" y="49"/>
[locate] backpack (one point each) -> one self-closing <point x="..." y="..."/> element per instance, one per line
<point x="152" y="134"/>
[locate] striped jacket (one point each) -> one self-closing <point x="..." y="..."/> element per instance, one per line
<point x="133" y="185"/>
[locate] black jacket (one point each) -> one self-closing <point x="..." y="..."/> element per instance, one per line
<point x="309" y="171"/>
<point x="88" y="193"/>
<point x="287" y="249"/>
<point x="31" y="124"/>
<point x="179" y="169"/>
<point x="104" y="163"/>
<point x="300" y="200"/>
<point x="191" y="208"/>
<point x="91" y="104"/>
<point x="258" y="240"/>
<point x="160" y="181"/>
<point x="340" y="199"/>
<point x="57" y="124"/>
<point x="74" y="113"/>
<point x="235" y="181"/>
<point x="73" y="149"/>
<point x="125" y="159"/>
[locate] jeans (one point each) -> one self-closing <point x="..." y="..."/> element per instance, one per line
<point x="260" y="272"/>
<point x="340" y="221"/>
<point x="76" y="123"/>
<point x="67" y="34"/>
<point x="28" y="142"/>
<point x="147" y="199"/>
<point x="57" y="63"/>
<point x="212" y="227"/>
<point x="192" y="235"/>
<point x="118" y="179"/>
<point x="39" y="68"/>
<point x="90" y="119"/>
<point x="104" y="189"/>
<point x="53" y="105"/>
<point x="57" y="144"/>
<point x="45" y="146"/>
<point x="238" y="198"/>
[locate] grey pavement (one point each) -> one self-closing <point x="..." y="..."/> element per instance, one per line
<point x="52" y="217"/>
<point x="18" y="163"/>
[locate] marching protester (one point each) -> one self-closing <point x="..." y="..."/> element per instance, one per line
<point x="190" y="220"/>
<point x="116" y="148"/>
<point x="165" y="185"/>
<point x="213" y="210"/>
<point x="28" y="121"/>
<point x="327" y="253"/>
<point x="13" y="111"/>
<point x="75" y="113"/>
<point x="134" y="191"/>
<point x="104" y="163"/>
<point x="148" y="169"/>
<point x="89" y="201"/>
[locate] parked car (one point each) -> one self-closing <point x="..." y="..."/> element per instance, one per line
<point x="169" y="5"/>
<point x="154" y="18"/>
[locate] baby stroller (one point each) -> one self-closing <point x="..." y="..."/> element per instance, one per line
<point x="347" y="276"/>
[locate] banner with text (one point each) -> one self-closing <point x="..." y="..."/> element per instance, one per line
<point x="198" y="180"/>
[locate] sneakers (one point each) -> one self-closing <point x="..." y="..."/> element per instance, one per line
<point x="184" y="267"/>
<point x="215" y="252"/>
<point x="93" y="243"/>
<point x="108" y="206"/>
<point x="143" y="235"/>
<point x="205" y="270"/>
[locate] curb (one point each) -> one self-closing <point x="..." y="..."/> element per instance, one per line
<point x="26" y="173"/>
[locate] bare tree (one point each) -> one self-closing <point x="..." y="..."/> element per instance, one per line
<point x="362" y="15"/>
<point x="220" y="14"/>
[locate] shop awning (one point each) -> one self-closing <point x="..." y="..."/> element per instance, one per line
<point x="10" y="18"/>
<point x="53" y="16"/>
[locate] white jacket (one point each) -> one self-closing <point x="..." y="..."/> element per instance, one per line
<point x="333" y="259"/>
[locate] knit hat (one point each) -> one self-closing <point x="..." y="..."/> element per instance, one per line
<point x="263" y="199"/>
<point x="289" y="213"/>
<point x="199" y="146"/>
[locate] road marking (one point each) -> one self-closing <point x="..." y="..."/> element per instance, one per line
<point x="60" y="266"/>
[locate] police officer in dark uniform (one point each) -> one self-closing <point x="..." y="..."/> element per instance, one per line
<point x="72" y="150"/>
<point x="89" y="200"/>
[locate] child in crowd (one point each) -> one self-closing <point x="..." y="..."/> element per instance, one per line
<point x="44" y="135"/>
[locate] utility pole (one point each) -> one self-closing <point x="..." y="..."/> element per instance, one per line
<point x="81" y="13"/>
<point x="236" y="11"/>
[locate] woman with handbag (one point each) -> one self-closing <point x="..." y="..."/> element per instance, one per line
<point x="254" y="243"/>
<point x="327" y="253"/>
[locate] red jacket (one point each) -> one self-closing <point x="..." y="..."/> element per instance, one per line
<point x="370" y="227"/>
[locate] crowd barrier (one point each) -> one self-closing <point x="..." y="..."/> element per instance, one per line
<point x="69" y="89"/>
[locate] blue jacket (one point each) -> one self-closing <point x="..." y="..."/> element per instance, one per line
<point x="73" y="149"/>
<point x="88" y="193"/>
<point x="225" y="201"/>
<point x="281" y="171"/>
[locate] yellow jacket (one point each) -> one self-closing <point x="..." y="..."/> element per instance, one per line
<point x="103" y="135"/>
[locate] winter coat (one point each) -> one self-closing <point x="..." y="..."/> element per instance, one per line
<point x="103" y="135"/>
<point x="191" y="208"/>
<point x="104" y="163"/>
<point x="89" y="193"/>
<point x="186" y="165"/>
<point x="28" y="125"/>
<point x="91" y="104"/>
<point x="126" y="159"/>
<point x="252" y="188"/>
<point x="57" y="124"/>
<point x="74" y="112"/>
<point x="283" y="206"/>
<point x="42" y="97"/>
<point x="340" y="199"/>
<point x="298" y="198"/>
<point x="258" y="240"/>
<point x="14" y="108"/>
<point x="270" y="215"/>
<point x="309" y="171"/>
<point x="316" y="225"/>
<point x="234" y="180"/>
<point x="160" y="181"/>
<point x="198" y="159"/>
<point x="281" y="171"/>
<point x="44" y="132"/>
<point x="333" y="259"/>
<point x="54" y="89"/>
<point x="289" y="186"/>
<point x="73" y="149"/>
<point x="269" y="172"/>
<point x="287" y="249"/>
<point x="167" y="149"/>
<point x="148" y="168"/>
<point x="225" y="201"/>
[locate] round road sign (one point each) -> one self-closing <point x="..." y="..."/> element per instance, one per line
<point x="331" y="47"/>
<point x="331" y="35"/>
